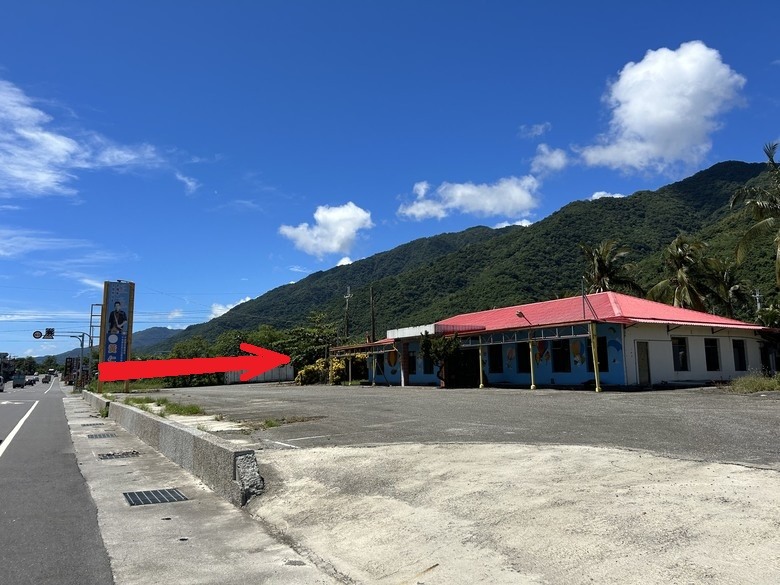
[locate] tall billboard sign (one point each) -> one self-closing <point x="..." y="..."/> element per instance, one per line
<point x="116" y="324"/>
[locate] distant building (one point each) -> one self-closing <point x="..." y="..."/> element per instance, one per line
<point x="638" y="343"/>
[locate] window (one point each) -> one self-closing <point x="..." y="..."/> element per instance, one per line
<point x="496" y="359"/>
<point x="523" y="358"/>
<point x="680" y="354"/>
<point x="712" y="355"/>
<point x="561" y="356"/>
<point x="412" y="362"/>
<point x="740" y="358"/>
<point x="427" y="365"/>
<point x="601" y="350"/>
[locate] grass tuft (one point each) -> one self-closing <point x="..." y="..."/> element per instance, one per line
<point x="753" y="383"/>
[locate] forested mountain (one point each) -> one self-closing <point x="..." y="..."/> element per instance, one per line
<point x="479" y="268"/>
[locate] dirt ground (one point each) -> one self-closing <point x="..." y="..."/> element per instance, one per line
<point x="503" y="513"/>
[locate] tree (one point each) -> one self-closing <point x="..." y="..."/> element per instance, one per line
<point x="685" y="284"/>
<point x="194" y="347"/>
<point x="605" y="270"/>
<point x="726" y="290"/>
<point x="769" y="316"/>
<point x="439" y="349"/>
<point x="763" y="200"/>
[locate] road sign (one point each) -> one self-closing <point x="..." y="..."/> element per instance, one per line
<point x="49" y="333"/>
<point x="37" y="334"/>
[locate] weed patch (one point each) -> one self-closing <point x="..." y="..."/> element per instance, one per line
<point x="753" y="383"/>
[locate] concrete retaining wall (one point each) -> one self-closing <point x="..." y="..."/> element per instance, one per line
<point x="229" y="471"/>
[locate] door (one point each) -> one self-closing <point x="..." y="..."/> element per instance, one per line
<point x="643" y="363"/>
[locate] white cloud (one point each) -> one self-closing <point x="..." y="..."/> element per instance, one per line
<point x="218" y="309"/>
<point x="503" y="224"/>
<point x="345" y="261"/>
<point x="301" y="269"/>
<point x="602" y="194"/>
<point x="665" y="108"/>
<point x="534" y="130"/>
<point x="37" y="159"/>
<point x="176" y="313"/>
<point x="334" y="231"/>
<point x="42" y="315"/>
<point x="421" y="189"/>
<point x="17" y="242"/>
<point x="548" y="160"/>
<point x="92" y="282"/>
<point x="511" y="196"/>
<point x="190" y="185"/>
<point x="10" y="208"/>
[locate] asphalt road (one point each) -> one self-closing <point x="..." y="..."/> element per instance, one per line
<point x="48" y="521"/>
<point x="706" y="424"/>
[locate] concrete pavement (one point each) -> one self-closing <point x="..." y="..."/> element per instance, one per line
<point x="423" y="486"/>
<point x="204" y="540"/>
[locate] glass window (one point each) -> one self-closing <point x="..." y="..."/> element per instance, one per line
<point x="712" y="355"/>
<point x="740" y="358"/>
<point x="523" y="358"/>
<point x="561" y="355"/>
<point x="427" y="365"/>
<point x="680" y="354"/>
<point x="412" y="362"/>
<point x="496" y="359"/>
<point x="601" y="349"/>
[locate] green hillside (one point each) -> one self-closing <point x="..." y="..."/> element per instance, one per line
<point x="432" y="278"/>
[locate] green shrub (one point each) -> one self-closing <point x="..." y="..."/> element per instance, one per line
<point x="316" y="373"/>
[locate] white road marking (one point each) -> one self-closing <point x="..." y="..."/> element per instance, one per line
<point x="9" y="438"/>
<point x="50" y="387"/>
<point x="307" y="438"/>
<point x="279" y="443"/>
<point x="11" y="402"/>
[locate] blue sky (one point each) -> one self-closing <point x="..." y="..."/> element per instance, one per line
<point x="212" y="151"/>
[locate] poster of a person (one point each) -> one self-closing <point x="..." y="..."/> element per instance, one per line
<point x="117" y="319"/>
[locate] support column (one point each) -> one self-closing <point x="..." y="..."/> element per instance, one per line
<point x="531" y="362"/>
<point x="594" y="350"/>
<point x="481" y="373"/>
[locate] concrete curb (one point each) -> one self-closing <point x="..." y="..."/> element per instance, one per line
<point x="230" y="472"/>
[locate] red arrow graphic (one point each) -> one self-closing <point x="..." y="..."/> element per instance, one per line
<point x="252" y="365"/>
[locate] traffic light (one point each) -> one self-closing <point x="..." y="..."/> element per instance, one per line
<point x="49" y="333"/>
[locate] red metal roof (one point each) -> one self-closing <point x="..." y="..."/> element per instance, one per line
<point x="609" y="307"/>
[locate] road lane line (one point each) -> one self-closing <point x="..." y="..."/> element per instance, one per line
<point x="9" y="438"/>
<point x="279" y="443"/>
<point x="50" y="387"/>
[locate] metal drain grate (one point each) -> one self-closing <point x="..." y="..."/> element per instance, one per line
<point x="102" y="436"/>
<point x="92" y="424"/>
<point x="119" y="455"/>
<point x="163" y="496"/>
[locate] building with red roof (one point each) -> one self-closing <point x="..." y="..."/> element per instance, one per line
<point x="638" y="343"/>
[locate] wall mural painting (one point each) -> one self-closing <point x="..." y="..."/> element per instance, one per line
<point x="542" y="352"/>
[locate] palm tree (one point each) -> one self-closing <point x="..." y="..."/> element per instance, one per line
<point x="764" y="203"/>
<point x="685" y="284"/>
<point x="604" y="269"/>
<point x="726" y="290"/>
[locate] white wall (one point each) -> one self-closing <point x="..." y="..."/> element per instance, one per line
<point x="661" y="361"/>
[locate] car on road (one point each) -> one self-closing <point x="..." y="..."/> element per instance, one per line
<point x="46" y="379"/>
<point x="19" y="380"/>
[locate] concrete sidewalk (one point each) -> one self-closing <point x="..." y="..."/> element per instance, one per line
<point x="204" y="540"/>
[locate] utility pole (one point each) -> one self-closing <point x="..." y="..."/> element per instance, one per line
<point x="346" y="314"/>
<point x="373" y="314"/>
